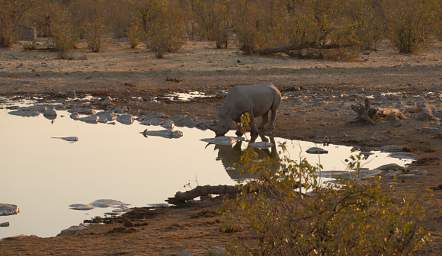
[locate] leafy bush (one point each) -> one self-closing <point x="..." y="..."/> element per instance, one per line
<point x="412" y="23"/>
<point x="353" y="218"/>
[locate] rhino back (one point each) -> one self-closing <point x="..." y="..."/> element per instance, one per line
<point x="243" y="98"/>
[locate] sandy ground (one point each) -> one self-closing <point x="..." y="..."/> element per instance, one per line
<point x="318" y="96"/>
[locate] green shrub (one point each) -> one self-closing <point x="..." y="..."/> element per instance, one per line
<point x="353" y="218"/>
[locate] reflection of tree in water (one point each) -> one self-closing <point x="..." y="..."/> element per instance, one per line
<point x="231" y="158"/>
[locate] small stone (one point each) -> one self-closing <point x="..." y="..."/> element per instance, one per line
<point x="392" y="148"/>
<point x="106" y="100"/>
<point x="70" y="139"/>
<point x="261" y="145"/>
<point x="81" y="207"/>
<point x="222" y="140"/>
<point x="125" y="119"/>
<point x="391" y="168"/>
<point x="24" y="113"/>
<point x="165" y="123"/>
<point x="83" y="110"/>
<point x="106" y="116"/>
<point x="163" y="133"/>
<point x="316" y="151"/>
<point x="217" y="251"/>
<point x="73" y="230"/>
<point x="105" y="203"/>
<point x="183" y="121"/>
<point x="8" y="209"/>
<point x="184" y="253"/>
<point x="50" y="113"/>
<point x="75" y="116"/>
<point x="92" y="119"/>
<point x="4" y="225"/>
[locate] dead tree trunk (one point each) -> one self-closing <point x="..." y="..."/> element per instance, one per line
<point x="181" y="198"/>
<point x="365" y="112"/>
<point x="287" y="49"/>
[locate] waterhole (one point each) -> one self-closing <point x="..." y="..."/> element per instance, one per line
<point x="43" y="175"/>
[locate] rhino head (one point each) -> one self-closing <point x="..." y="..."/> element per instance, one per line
<point x="221" y="126"/>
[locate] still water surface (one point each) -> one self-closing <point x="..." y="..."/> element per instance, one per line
<point x="43" y="176"/>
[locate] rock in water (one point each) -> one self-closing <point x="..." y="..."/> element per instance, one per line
<point x="4" y="225"/>
<point x="106" y="116"/>
<point x="8" y="209"/>
<point x="73" y="230"/>
<point x="165" y="123"/>
<point x="70" y="139"/>
<point x="106" y="100"/>
<point x="83" y="110"/>
<point x="216" y="251"/>
<point x="125" y="119"/>
<point x="81" y="207"/>
<point x="75" y="116"/>
<point x="261" y="145"/>
<point x="163" y="133"/>
<point x="391" y="167"/>
<point x="184" y="253"/>
<point x="316" y="151"/>
<point x="50" y="113"/>
<point x="105" y="203"/>
<point x="222" y="140"/>
<point x="92" y="119"/>
<point x="183" y="121"/>
<point x="24" y="113"/>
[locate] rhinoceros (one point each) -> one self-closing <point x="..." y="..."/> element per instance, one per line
<point x="257" y="100"/>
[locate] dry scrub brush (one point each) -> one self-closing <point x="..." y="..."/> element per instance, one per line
<point x="163" y="25"/>
<point x="302" y="24"/>
<point x="212" y="19"/>
<point x="352" y="24"/>
<point x="12" y="13"/>
<point x="356" y="217"/>
<point x="412" y="24"/>
<point x="62" y="29"/>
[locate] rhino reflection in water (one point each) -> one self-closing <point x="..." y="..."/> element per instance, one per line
<point x="231" y="158"/>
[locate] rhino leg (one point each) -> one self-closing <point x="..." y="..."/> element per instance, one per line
<point x="253" y="129"/>
<point x="273" y="120"/>
<point x="238" y="132"/>
<point x="274" y="109"/>
<point x="265" y="119"/>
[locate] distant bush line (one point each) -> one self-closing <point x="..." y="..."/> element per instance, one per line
<point x="329" y="29"/>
